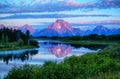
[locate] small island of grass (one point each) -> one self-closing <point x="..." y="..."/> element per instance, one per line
<point x="15" y="39"/>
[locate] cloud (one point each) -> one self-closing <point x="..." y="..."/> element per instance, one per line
<point x="24" y="16"/>
<point x="105" y="22"/>
<point x="13" y="6"/>
<point x="84" y="25"/>
<point x="108" y="4"/>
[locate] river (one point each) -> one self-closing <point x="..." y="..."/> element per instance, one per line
<point x="54" y="51"/>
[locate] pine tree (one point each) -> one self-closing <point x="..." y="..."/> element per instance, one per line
<point x="3" y="39"/>
<point x="6" y="39"/>
<point x="28" y="36"/>
<point x="17" y="35"/>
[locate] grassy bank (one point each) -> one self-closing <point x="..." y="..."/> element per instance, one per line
<point x="102" y="65"/>
<point x="87" y="42"/>
<point x="78" y="41"/>
<point x="17" y="45"/>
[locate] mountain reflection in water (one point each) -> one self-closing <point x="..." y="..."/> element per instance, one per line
<point x="47" y="51"/>
<point x="60" y="50"/>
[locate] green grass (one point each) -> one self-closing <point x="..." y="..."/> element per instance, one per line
<point x="87" y="42"/>
<point x="14" y="46"/>
<point x="109" y="75"/>
<point x="102" y="65"/>
<point x="82" y="42"/>
<point x="112" y="51"/>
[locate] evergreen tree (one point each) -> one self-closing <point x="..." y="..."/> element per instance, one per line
<point x="18" y="35"/>
<point x="6" y="39"/>
<point x="20" y="42"/>
<point x="3" y="39"/>
<point x="28" y="36"/>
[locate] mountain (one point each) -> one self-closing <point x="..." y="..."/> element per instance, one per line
<point x="23" y="28"/>
<point x="115" y="31"/>
<point x="27" y="27"/>
<point x="101" y="30"/>
<point x="1" y="26"/>
<point x="15" y="28"/>
<point x="46" y="32"/>
<point x="58" y="28"/>
<point x="78" y="32"/>
<point x="87" y="32"/>
<point x="62" y="28"/>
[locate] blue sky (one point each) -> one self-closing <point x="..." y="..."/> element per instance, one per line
<point x="85" y="14"/>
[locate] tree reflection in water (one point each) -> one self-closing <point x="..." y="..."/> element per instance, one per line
<point x="20" y="56"/>
<point x="89" y="46"/>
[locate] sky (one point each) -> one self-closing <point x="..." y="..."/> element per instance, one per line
<point x="83" y="14"/>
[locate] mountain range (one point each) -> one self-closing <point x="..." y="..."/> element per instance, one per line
<point x="62" y="28"/>
<point x="24" y="28"/>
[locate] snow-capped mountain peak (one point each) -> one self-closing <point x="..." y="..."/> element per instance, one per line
<point x="60" y="26"/>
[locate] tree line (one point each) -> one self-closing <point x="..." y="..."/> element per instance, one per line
<point x="89" y="37"/>
<point x="9" y="35"/>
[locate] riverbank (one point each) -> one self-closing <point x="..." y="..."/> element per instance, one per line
<point x="102" y="65"/>
<point x="82" y="43"/>
<point x="79" y="40"/>
<point x="16" y="46"/>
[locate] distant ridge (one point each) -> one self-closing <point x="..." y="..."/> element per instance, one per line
<point x="26" y="27"/>
<point x="62" y="28"/>
<point x="101" y="30"/>
<point x="1" y="26"/>
<point x="23" y="28"/>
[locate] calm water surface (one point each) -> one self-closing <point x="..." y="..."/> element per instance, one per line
<point x="48" y="51"/>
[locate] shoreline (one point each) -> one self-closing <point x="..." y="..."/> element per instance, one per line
<point x="104" y="59"/>
<point x="25" y="47"/>
<point x="14" y="46"/>
<point x="82" y="42"/>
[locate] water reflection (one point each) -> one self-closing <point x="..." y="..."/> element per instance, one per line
<point x="60" y="50"/>
<point x="54" y="51"/>
<point x="90" y="46"/>
<point x="17" y="55"/>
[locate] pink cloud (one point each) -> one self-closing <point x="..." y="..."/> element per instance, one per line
<point x="99" y="22"/>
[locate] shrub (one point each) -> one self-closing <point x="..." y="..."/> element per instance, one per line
<point x="24" y="72"/>
<point x="20" y="42"/>
<point x="112" y="51"/>
<point x="33" y="43"/>
<point x="72" y="68"/>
